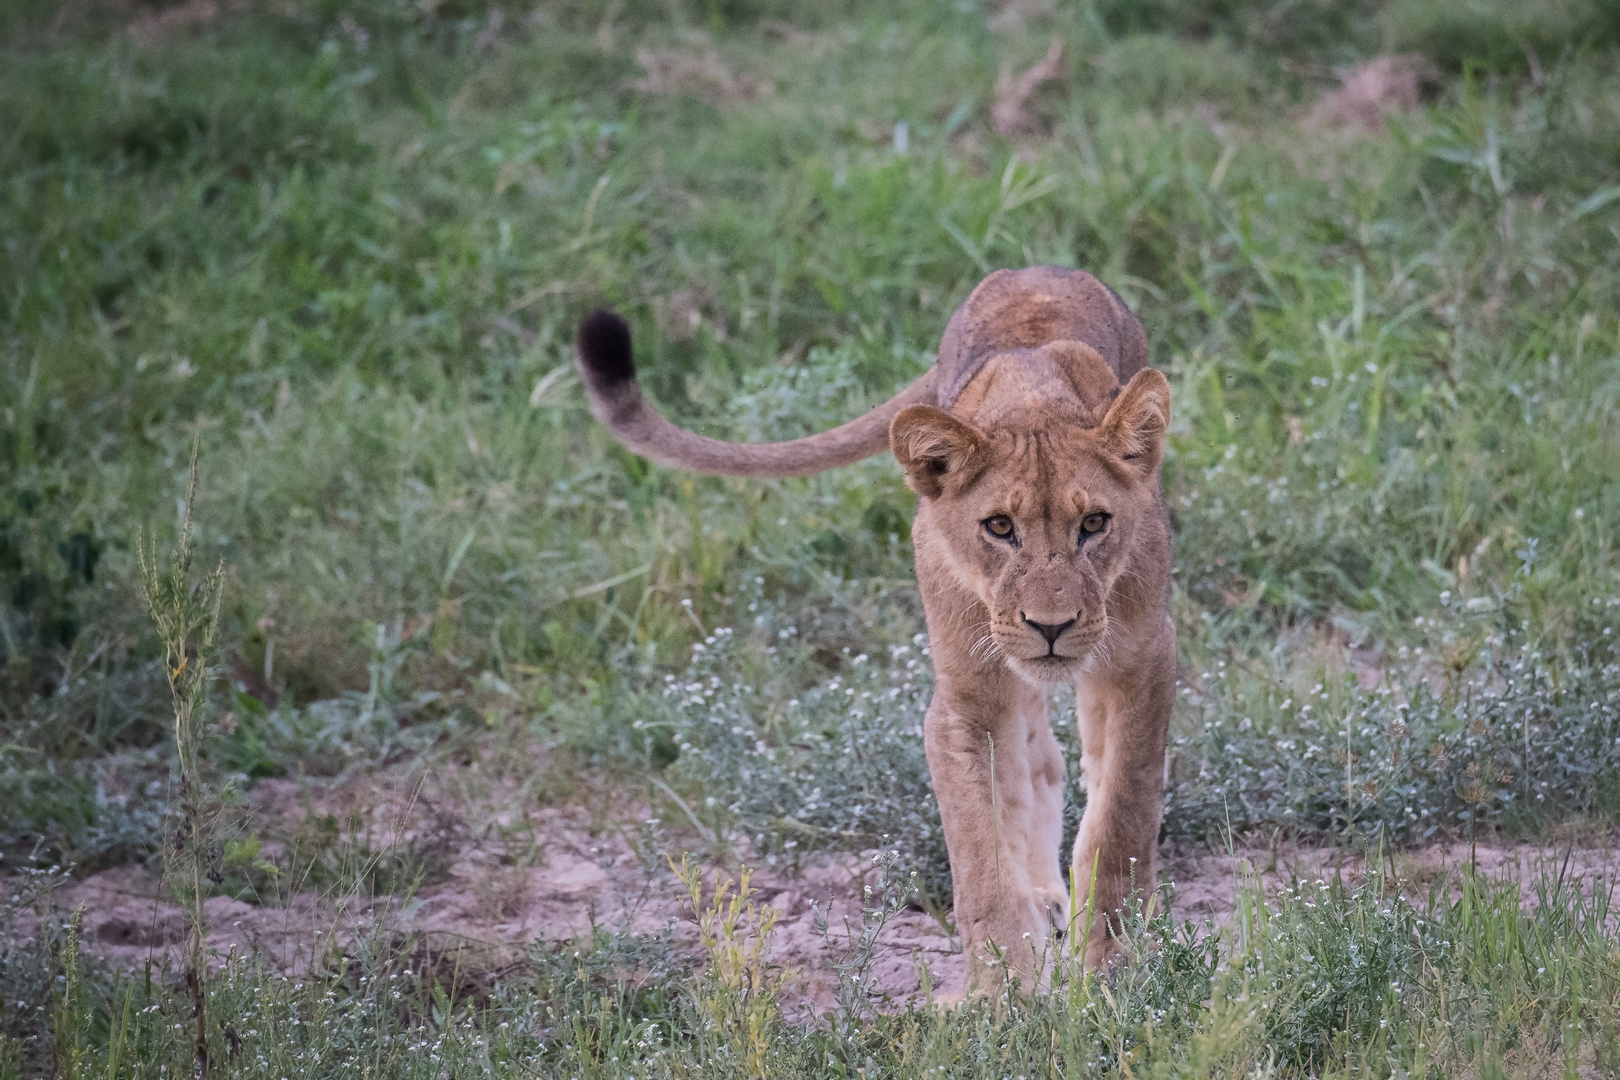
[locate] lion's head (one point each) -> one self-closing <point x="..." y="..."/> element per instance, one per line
<point x="1039" y="510"/>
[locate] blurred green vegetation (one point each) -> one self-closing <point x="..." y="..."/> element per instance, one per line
<point x="347" y="243"/>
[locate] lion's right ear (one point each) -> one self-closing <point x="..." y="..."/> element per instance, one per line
<point x="1138" y="421"/>
<point x="938" y="452"/>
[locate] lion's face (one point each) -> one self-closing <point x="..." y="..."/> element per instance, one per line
<point x="1038" y="517"/>
<point x="1040" y="538"/>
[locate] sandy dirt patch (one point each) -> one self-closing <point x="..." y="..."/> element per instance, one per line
<point x="503" y="872"/>
<point x="489" y="907"/>
<point x="1370" y="93"/>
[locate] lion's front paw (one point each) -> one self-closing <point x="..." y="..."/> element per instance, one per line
<point x="1104" y="952"/>
<point x="1053" y="901"/>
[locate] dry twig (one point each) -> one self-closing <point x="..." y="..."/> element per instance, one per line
<point x="1009" y="115"/>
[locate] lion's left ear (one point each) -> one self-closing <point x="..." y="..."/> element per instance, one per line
<point x="938" y="452"/>
<point x="1138" y="420"/>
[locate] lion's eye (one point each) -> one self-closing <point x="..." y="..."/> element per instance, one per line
<point x="1000" y="526"/>
<point x="1093" y="524"/>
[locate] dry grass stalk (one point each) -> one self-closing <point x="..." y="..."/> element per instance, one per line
<point x="187" y="618"/>
<point x="1009" y="114"/>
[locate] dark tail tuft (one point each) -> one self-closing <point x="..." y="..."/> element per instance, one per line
<point x="604" y="351"/>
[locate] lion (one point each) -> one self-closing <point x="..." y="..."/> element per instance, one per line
<point x="1042" y="552"/>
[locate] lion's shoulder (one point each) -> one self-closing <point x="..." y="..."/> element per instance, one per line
<point x="1025" y="309"/>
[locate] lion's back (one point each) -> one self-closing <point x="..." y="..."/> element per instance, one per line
<point x="1024" y="309"/>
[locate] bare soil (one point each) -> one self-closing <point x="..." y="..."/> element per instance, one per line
<point x="508" y="879"/>
<point x="1370" y="93"/>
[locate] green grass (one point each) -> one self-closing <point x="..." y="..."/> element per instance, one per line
<point x="1323" y="980"/>
<point x="346" y="246"/>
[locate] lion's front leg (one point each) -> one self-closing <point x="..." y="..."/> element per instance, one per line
<point x="1046" y="772"/>
<point x="1124" y="722"/>
<point x="979" y="756"/>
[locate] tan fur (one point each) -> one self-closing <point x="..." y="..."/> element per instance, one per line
<point x="640" y="427"/>
<point x="1036" y="428"/>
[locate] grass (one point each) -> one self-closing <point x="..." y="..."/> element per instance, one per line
<point x="1324" y="979"/>
<point x="186" y="613"/>
<point x="343" y="247"/>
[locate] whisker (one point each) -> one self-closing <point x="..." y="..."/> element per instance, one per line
<point x="985" y="647"/>
<point x="1105" y="643"/>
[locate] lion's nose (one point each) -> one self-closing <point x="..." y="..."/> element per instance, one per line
<point x="1050" y="631"/>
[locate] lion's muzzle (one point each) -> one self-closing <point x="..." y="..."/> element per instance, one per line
<point x="1050" y="631"/>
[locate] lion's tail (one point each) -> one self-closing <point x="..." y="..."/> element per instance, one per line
<point x="608" y="371"/>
